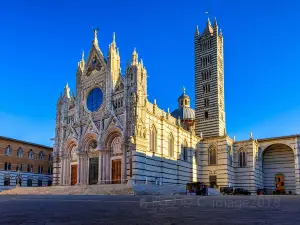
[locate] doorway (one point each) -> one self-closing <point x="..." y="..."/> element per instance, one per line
<point x="279" y="169"/>
<point x="116" y="171"/>
<point x="93" y="170"/>
<point x="73" y="174"/>
<point x="279" y="182"/>
<point x="213" y="181"/>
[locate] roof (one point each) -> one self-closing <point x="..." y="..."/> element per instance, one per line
<point x="185" y="113"/>
<point x="25" y="142"/>
<point x="272" y="138"/>
<point x="184" y="95"/>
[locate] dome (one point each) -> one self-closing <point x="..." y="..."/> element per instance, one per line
<point x="185" y="113"/>
<point x="183" y="96"/>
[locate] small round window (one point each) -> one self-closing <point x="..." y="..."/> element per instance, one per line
<point x="94" y="99"/>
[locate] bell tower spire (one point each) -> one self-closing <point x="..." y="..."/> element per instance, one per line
<point x="209" y="82"/>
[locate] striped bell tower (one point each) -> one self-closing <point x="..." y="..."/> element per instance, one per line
<point x="209" y="82"/>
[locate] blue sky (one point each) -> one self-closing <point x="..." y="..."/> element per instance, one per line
<point x="41" y="43"/>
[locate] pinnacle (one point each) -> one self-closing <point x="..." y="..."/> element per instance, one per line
<point x="215" y="22"/>
<point x="114" y="37"/>
<point x="197" y="30"/>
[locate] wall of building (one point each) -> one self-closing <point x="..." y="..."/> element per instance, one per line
<point x="46" y="180"/>
<point x="158" y="166"/>
<point x="16" y="161"/>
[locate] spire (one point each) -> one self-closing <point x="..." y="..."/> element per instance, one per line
<point x="208" y="27"/>
<point x="134" y="60"/>
<point x="67" y="91"/>
<point x="95" y="41"/>
<point x="82" y="56"/>
<point x="208" y="21"/>
<point x="114" y="37"/>
<point x="183" y="90"/>
<point x="215" y="22"/>
<point x="197" y="31"/>
<point x="81" y="62"/>
<point x="113" y="43"/>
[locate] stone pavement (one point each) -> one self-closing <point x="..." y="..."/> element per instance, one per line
<point x="122" y="209"/>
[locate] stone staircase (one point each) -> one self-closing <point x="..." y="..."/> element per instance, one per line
<point x="105" y="189"/>
<point x="109" y="189"/>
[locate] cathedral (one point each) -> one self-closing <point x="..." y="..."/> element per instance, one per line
<point x="109" y="132"/>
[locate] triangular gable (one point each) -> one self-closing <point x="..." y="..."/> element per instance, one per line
<point x="91" y="127"/>
<point x="71" y="133"/>
<point x="113" y="122"/>
<point x="95" y="62"/>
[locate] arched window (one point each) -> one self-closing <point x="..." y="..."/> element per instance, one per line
<point x="206" y="115"/>
<point x="30" y="154"/>
<point x="171" y="145"/>
<point x="20" y="152"/>
<point x="39" y="169"/>
<point x="116" y="145"/>
<point x="185" y="151"/>
<point x="17" y="167"/>
<point x="5" y="166"/>
<point x="229" y="151"/>
<point x="212" y="156"/>
<point x="50" y="157"/>
<point x="242" y="158"/>
<point x="21" y="167"/>
<point x="153" y="141"/>
<point x="28" y="168"/>
<point x="41" y="155"/>
<point x="9" y="166"/>
<point x="50" y="170"/>
<point x="29" y="183"/>
<point x="8" y="150"/>
<point x="6" y="181"/>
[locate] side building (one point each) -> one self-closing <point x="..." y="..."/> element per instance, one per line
<point x="24" y="163"/>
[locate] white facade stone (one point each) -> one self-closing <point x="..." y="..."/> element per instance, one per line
<point x="122" y="128"/>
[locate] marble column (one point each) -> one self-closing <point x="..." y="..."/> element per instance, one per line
<point x="124" y="164"/>
<point x="69" y="171"/>
<point x="100" y="168"/>
<point x="107" y="176"/>
<point x="82" y="170"/>
<point x="79" y="170"/>
<point x="61" y="171"/>
<point x="86" y="169"/>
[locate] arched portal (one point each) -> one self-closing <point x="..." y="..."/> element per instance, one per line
<point x="69" y="163"/>
<point x="90" y="160"/>
<point x="114" y="157"/>
<point x="116" y="149"/>
<point x="279" y="168"/>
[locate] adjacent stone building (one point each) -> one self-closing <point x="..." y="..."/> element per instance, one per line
<point x="109" y="132"/>
<point x="30" y="163"/>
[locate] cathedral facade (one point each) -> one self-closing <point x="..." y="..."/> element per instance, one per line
<point x="109" y="132"/>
